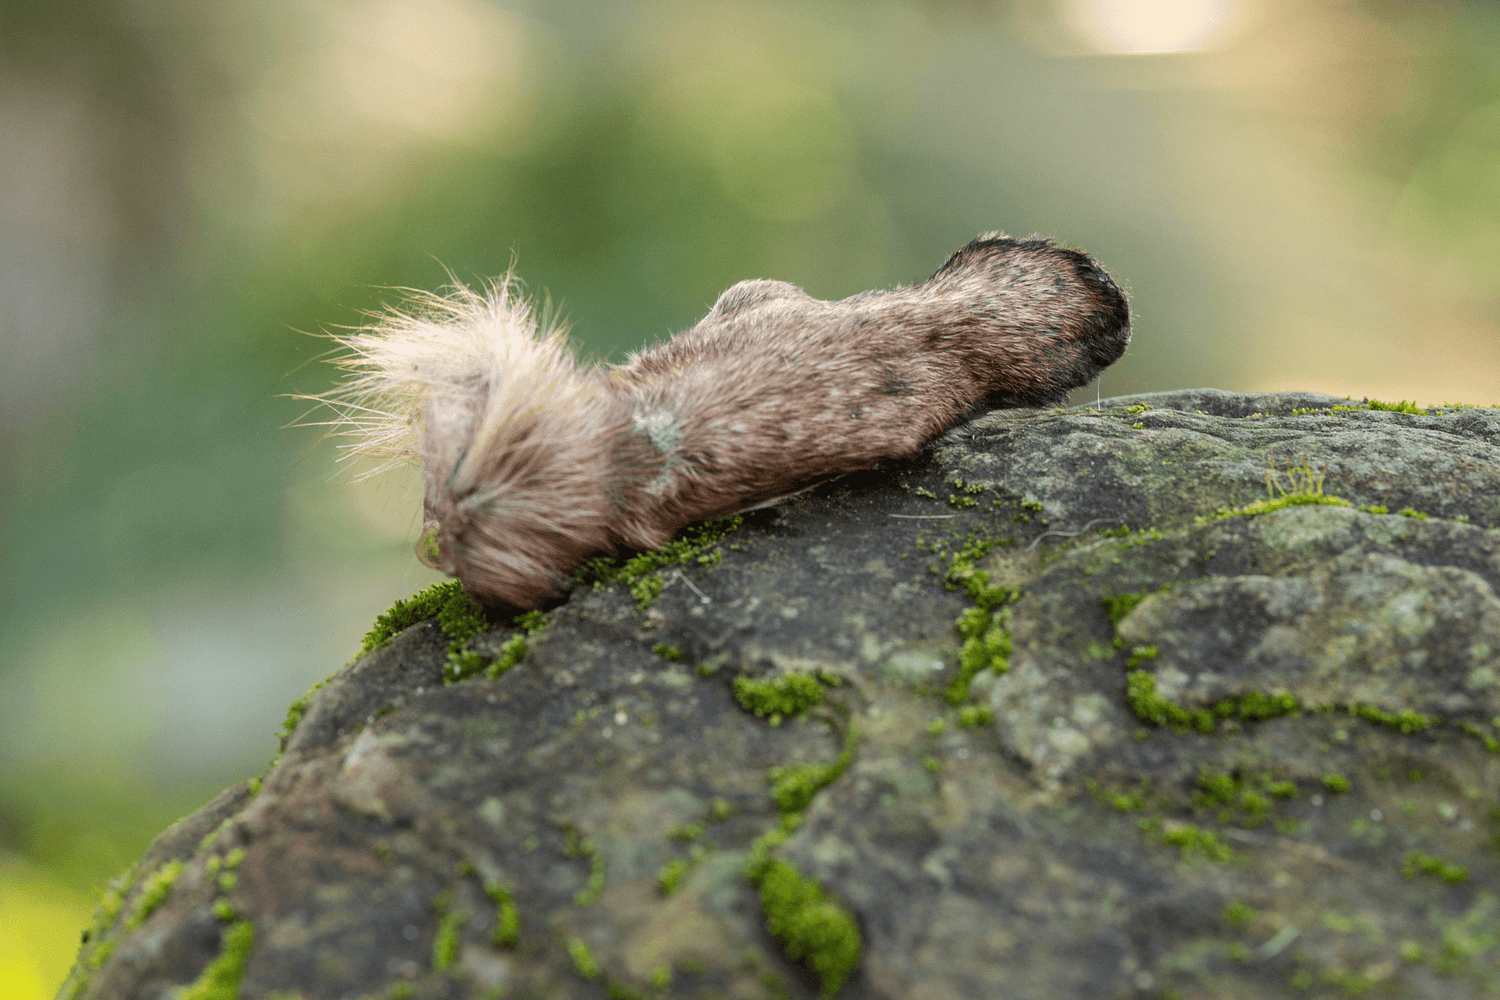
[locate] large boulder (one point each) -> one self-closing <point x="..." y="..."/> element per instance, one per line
<point x="1193" y="694"/>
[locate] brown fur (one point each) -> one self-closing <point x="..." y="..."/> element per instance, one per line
<point x="532" y="464"/>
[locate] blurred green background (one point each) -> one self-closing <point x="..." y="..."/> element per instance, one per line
<point x="1299" y="194"/>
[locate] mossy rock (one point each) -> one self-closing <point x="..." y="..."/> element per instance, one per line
<point x="1209" y="748"/>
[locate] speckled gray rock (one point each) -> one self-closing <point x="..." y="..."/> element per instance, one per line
<point x="1269" y="769"/>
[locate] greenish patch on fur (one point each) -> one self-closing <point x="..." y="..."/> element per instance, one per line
<point x="641" y="574"/>
<point x="221" y="980"/>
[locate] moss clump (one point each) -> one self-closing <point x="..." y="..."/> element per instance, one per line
<point x="1140" y="693"/>
<point x="1269" y="506"/>
<point x="668" y="652"/>
<point x="591" y="892"/>
<point x="641" y="574"/>
<point x="221" y="980"/>
<point x="963" y="576"/>
<point x="510" y="654"/>
<point x="975" y="715"/>
<point x="1401" y="407"/>
<point x="455" y="611"/>
<point x="507" y="929"/>
<point x="445" y="946"/>
<point x="583" y="959"/>
<point x="1335" y="783"/>
<point x="811" y="926"/>
<point x="793" y="787"/>
<point x="776" y="697"/>
<point x="1421" y="863"/>
<point x="154" y="892"/>
<point x="1256" y="706"/>
<point x="1117" y="606"/>
<point x="1191" y="840"/>
<point x="987" y="644"/>
<point x="1404" y="721"/>
<point x="670" y="877"/>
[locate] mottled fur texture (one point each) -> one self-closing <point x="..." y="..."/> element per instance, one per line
<point x="532" y="463"/>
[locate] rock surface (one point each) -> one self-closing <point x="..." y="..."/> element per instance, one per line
<point x="1251" y="755"/>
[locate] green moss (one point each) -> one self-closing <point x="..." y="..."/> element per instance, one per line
<point x="531" y="622"/>
<point x="1117" y="606"/>
<point x="507" y="929"/>
<point x="1268" y="506"/>
<point x="1402" y="407"/>
<point x="455" y="611"/>
<point x="1335" y="783"/>
<point x="776" y="697"/>
<point x="1413" y="513"/>
<point x="666" y="652"/>
<point x="962" y="575"/>
<point x="294" y="714"/>
<point x="445" y="944"/>
<point x="1471" y="729"/>
<point x="1140" y="654"/>
<point x="793" y="787"/>
<point x="1149" y="707"/>
<point x="641" y="574"/>
<point x="221" y="980"/>
<point x="688" y="831"/>
<point x="510" y="654"/>
<point x="1256" y="706"/>
<point x="975" y="715"/>
<point x="583" y="959"/>
<point x="987" y="644"/>
<point x="1405" y="721"/>
<point x="811" y="926"/>
<point x="100" y="955"/>
<point x="661" y="978"/>
<point x="590" y="893"/>
<point x="1238" y="914"/>
<point x="1421" y="863"/>
<point x="154" y="892"/>
<point x="1191" y="840"/>
<point x="671" y="875"/>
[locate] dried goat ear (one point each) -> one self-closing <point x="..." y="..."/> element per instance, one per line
<point x="532" y="463"/>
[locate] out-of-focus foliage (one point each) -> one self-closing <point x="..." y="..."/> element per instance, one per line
<point x="1297" y="196"/>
